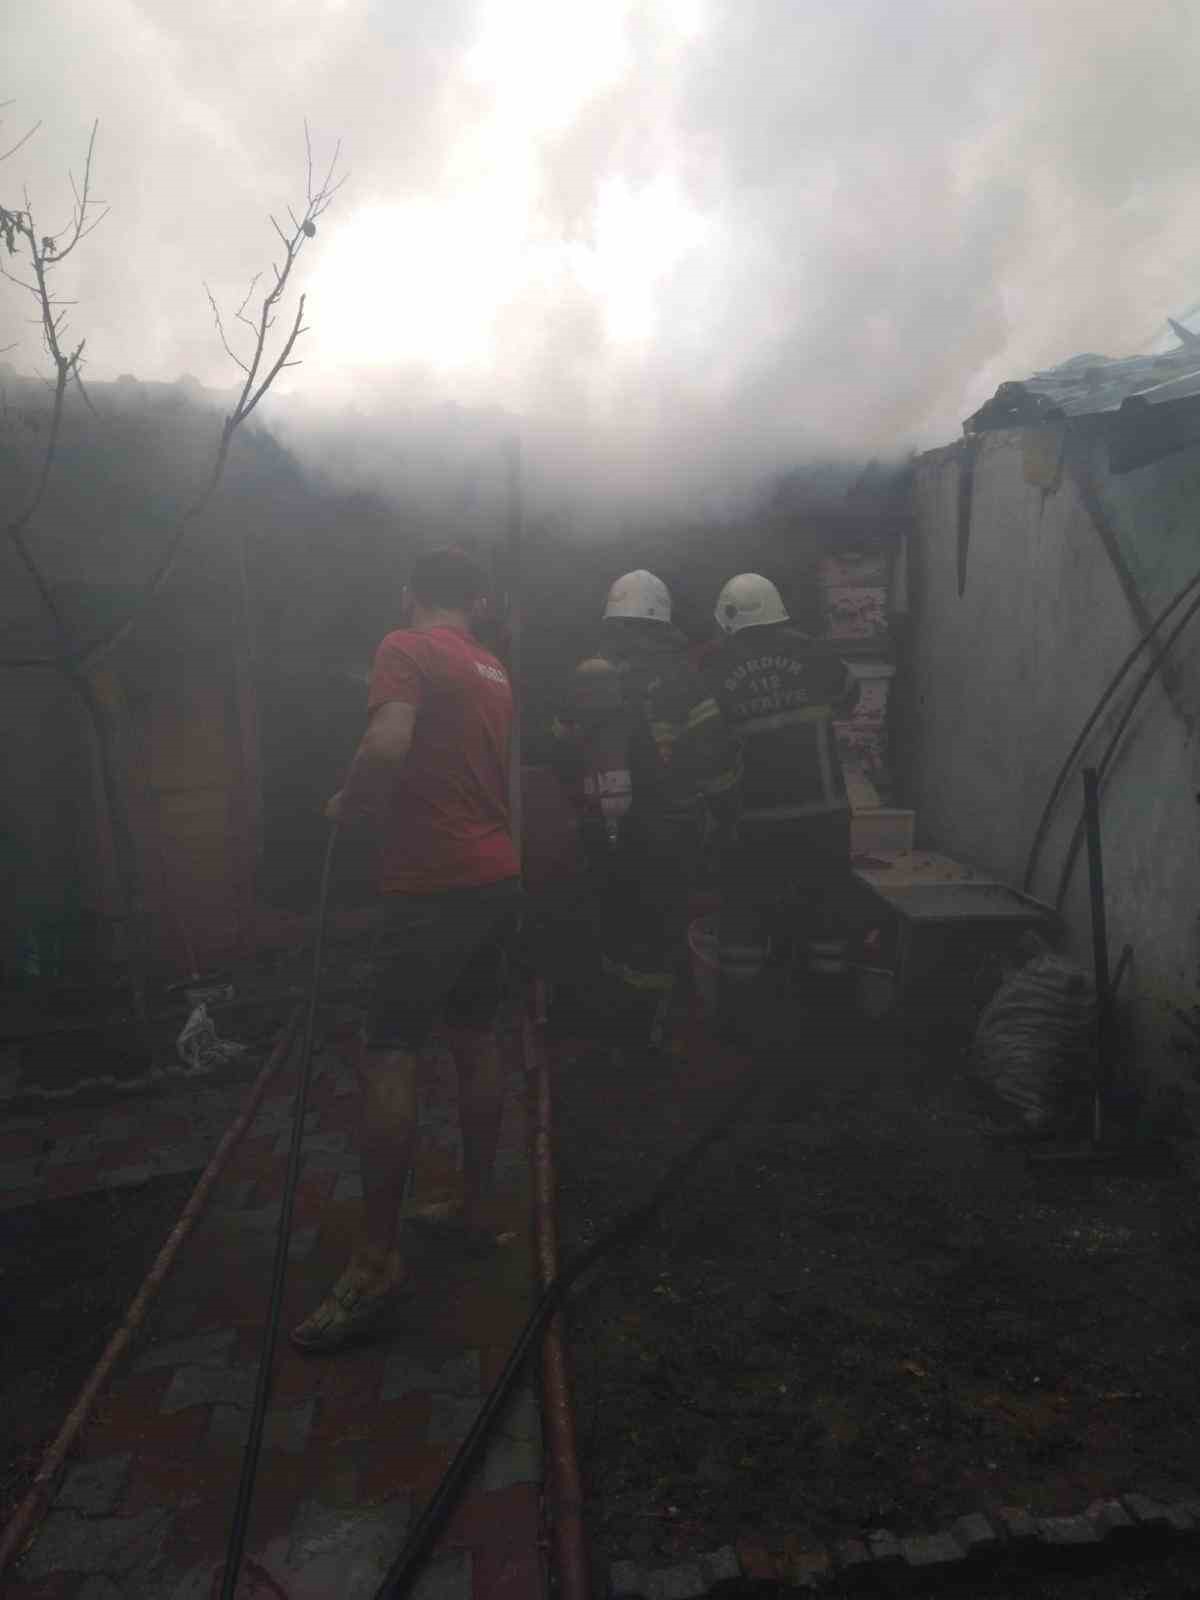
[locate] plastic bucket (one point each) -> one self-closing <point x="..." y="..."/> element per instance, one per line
<point x="706" y="962"/>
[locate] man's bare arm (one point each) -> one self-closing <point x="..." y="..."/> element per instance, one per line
<point x="376" y="766"/>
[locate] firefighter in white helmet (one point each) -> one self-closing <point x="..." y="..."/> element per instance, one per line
<point x="638" y="597"/>
<point x="787" y="867"/>
<point x="649" y="758"/>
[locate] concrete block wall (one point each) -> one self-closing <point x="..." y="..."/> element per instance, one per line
<point x="1004" y="675"/>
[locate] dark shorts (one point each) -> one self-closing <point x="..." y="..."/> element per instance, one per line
<point x="441" y="956"/>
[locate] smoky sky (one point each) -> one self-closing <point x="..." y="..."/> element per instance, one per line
<point x="685" y="242"/>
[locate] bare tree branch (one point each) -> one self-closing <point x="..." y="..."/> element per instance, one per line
<point x="79" y="227"/>
<point x="288" y="346"/>
<point x="259" y="373"/>
<point x="24" y="139"/>
<point x="45" y="252"/>
<point x="21" y="283"/>
<point x="304" y="228"/>
<point x="216" y="311"/>
<point x="83" y="394"/>
<point x="17" y="525"/>
<point x="240" y="313"/>
<point x="20" y="229"/>
<point x="20" y="234"/>
<point x="255" y="386"/>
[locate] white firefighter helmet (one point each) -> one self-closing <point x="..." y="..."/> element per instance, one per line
<point x="749" y="601"/>
<point x="639" y="594"/>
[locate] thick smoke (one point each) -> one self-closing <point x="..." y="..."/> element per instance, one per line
<point x="685" y="242"/>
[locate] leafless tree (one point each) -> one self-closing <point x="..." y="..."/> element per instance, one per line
<point x="30" y="259"/>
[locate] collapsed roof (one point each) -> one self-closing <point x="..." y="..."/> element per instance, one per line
<point x="1144" y="394"/>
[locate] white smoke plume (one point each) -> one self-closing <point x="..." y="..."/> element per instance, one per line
<point x="683" y="242"/>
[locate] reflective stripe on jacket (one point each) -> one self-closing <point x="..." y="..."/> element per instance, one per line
<point x="779" y="693"/>
<point x="655" y="708"/>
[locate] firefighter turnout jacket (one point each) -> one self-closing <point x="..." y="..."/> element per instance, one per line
<point x="647" y="738"/>
<point x="779" y="692"/>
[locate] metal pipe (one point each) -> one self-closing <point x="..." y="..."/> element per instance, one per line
<point x="1091" y="812"/>
<point x="1114" y="684"/>
<point x="1077" y="459"/>
<point x="24" y="1520"/>
<point x="570" y="1541"/>
<point x="1113" y="744"/>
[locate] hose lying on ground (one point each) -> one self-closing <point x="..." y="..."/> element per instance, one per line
<point x="409" y="1562"/>
<point x="262" y="1390"/>
<point x="564" y="1498"/>
<point x="27" y="1514"/>
<point x="412" y="1557"/>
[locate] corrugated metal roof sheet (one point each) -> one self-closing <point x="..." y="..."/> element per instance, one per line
<point x="1089" y="384"/>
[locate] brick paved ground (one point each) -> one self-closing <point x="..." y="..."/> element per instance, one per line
<point x="354" y="1443"/>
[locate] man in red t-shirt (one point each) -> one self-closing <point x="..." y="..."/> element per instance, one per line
<point x="432" y="775"/>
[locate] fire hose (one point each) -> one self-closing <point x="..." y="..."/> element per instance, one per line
<point x="262" y="1388"/>
<point x="411" y="1559"/>
<point x="27" y="1514"/>
<point x="624" y="1232"/>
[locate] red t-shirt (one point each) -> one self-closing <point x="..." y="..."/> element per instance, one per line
<point x="449" y="822"/>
